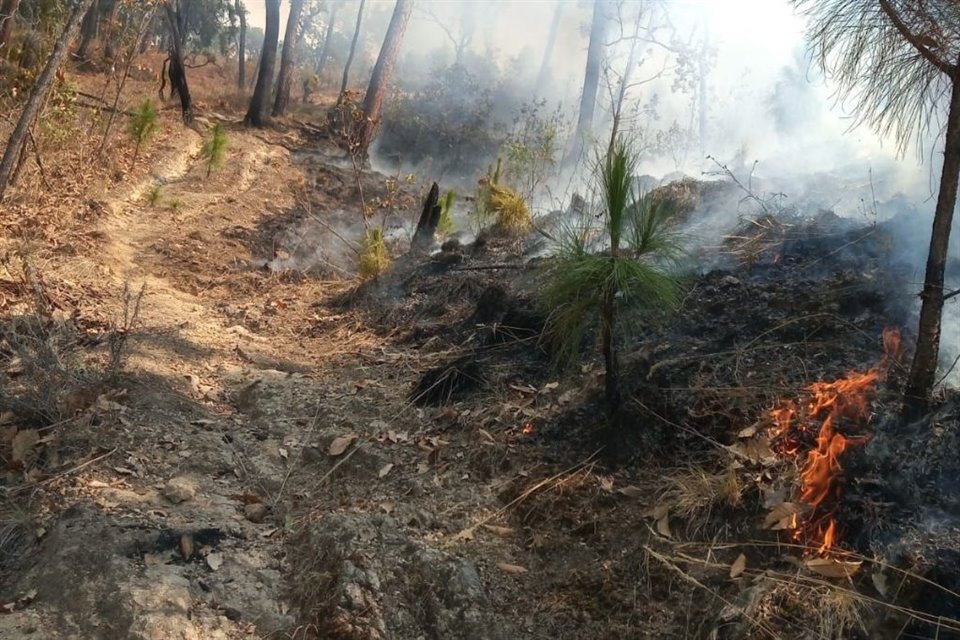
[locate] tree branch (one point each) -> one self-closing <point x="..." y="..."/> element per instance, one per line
<point x="915" y="40"/>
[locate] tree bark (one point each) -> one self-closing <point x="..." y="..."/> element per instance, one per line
<point x="382" y="70"/>
<point x="353" y="50"/>
<point x="39" y="92"/>
<point x="591" y="77"/>
<point x="291" y="40"/>
<point x="88" y="32"/>
<point x="257" y="113"/>
<point x="242" y="45"/>
<point x="8" y="17"/>
<point x="110" y="32"/>
<point x="923" y="370"/>
<point x="176" y="70"/>
<point x="544" y="75"/>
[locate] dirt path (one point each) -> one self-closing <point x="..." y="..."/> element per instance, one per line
<point x="171" y="535"/>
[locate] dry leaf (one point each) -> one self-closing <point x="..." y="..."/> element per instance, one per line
<point x="386" y="507"/>
<point x="215" y="561"/>
<point x="565" y="397"/>
<point x="341" y="444"/>
<point x="550" y="386"/>
<point x="879" y="582"/>
<point x="283" y="453"/>
<point x="606" y="483"/>
<point x="630" y="491"/>
<point x="739" y="566"/>
<point x="186" y="546"/>
<point x="783" y="516"/>
<point x="749" y="432"/>
<point x="511" y="568"/>
<point x="503" y="532"/>
<point x="657" y="512"/>
<point x="833" y="568"/>
<point x="486" y="435"/>
<point x="385" y="469"/>
<point x="466" y="535"/>
<point x="663" y="526"/>
<point x="23" y="444"/>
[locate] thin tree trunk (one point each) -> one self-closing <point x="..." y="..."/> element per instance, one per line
<point x="353" y="50"/>
<point x="88" y="32"/>
<point x="257" y="113"/>
<point x="291" y="40"/>
<point x="591" y="77"/>
<point x="924" y="367"/>
<point x="8" y="17"/>
<point x="242" y="45"/>
<point x="382" y="70"/>
<point x="131" y="56"/>
<point x="544" y="73"/>
<point x="322" y="62"/>
<point x="38" y="93"/>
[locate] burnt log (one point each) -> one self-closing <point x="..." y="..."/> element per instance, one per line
<point x="429" y="219"/>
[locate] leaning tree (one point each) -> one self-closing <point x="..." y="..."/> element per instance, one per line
<point x="898" y="61"/>
<point x="382" y="70"/>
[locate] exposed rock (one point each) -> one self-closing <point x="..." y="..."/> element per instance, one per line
<point x="256" y="512"/>
<point x="180" y="489"/>
<point x="359" y="577"/>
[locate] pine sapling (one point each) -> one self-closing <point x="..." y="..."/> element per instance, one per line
<point x="446" y="226"/>
<point x="215" y="148"/>
<point x="143" y="125"/>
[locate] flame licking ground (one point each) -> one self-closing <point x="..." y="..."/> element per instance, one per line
<point x="827" y="408"/>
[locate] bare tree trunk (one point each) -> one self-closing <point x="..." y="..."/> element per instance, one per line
<point x="8" y="17"/>
<point x="353" y="50"/>
<point x="110" y="32"/>
<point x="544" y="73"/>
<point x="39" y="92"/>
<point x="177" y="71"/>
<point x="380" y="79"/>
<point x="242" y="45"/>
<point x="291" y="40"/>
<point x="924" y="368"/>
<point x="591" y="77"/>
<point x="257" y="113"/>
<point x="88" y="32"/>
<point x="322" y="62"/>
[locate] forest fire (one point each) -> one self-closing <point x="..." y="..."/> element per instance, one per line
<point x="831" y="413"/>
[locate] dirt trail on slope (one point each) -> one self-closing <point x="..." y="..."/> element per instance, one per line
<point x="171" y="534"/>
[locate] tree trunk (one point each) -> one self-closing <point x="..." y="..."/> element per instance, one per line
<point x="322" y="62"/>
<point x="353" y="50"/>
<point x="291" y="39"/>
<point x="110" y="32"/>
<point x="39" y="92"/>
<point x="257" y="113"/>
<point x="924" y="368"/>
<point x="242" y="45"/>
<point x="8" y="17"/>
<point x="591" y="77"/>
<point x="373" y="100"/>
<point x="176" y="70"/>
<point x="429" y="219"/>
<point x="88" y="32"/>
<point x="544" y="75"/>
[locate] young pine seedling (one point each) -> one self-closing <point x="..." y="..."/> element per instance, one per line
<point x="215" y="148"/>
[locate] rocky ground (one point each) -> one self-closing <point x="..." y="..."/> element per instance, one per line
<point x="287" y="453"/>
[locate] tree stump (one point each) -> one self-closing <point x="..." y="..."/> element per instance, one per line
<point x="429" y="219"/>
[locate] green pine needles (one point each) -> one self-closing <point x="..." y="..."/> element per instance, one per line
<point x="215" y="148"/>
<point x="143" y="125"/>
<point x="446" y="226"/>
<point x="632" y="273"/>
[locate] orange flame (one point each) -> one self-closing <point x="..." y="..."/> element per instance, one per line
<point x="843" y="403"/>
<point x="527" y="429"/>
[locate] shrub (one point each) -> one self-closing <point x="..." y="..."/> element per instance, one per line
<point x="154" y="195"/>
<point x="374" y="258"/>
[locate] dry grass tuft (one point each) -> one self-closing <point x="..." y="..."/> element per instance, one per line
<point x="513" y="215"/>
<point x="693" y="493"/>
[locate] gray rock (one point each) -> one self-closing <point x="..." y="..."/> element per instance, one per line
<point x="180" y="489"/>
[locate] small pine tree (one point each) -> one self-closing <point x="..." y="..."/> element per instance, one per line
<point x="374" y="257"/>
<point x="629" y="273"/>
<point x="215" y="148"/>
<point x="446" y="226"/>
<point x="143" y="125"/>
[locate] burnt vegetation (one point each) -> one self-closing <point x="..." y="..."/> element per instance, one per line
<point x="364" y="320"/>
